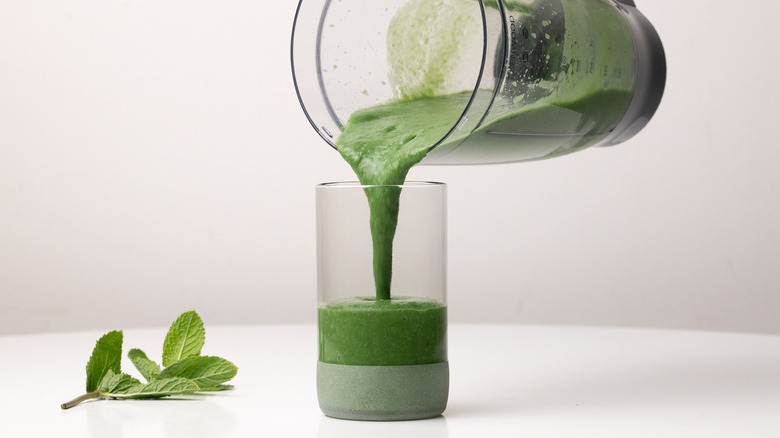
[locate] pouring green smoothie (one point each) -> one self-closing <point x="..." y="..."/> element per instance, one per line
<point x="554" y="77"/>
<point x="546" y="111"/>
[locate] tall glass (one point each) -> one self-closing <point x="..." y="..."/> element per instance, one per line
<point x="382" y="358"/>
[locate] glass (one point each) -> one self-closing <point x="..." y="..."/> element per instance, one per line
<point x="382" y="358"/>
<point x="504" y="80"/>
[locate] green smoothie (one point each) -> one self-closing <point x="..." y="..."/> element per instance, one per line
<point x="366" y="331"/>
<point x="383" y="359"/>
<point x="552" y="105"/>
<point x="556" y="100"/>
<point x="384" y="142"/>
<point x="383" y="356"/>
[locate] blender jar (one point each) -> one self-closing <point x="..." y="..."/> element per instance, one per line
<point x="519" y="80"/>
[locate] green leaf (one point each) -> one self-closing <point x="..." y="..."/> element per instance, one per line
<point x="185" y="338"/>
<point x="118" y="383"/>
<point x="157" y="389"/>
<point x="207" y="371"/>
<point x="125" y="386"/>
<point x="106" y="356"/>
<point x="147" y="367"/>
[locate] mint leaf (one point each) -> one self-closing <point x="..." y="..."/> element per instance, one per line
<point x="147" y="367"/>
<point x="185" y="338"/>
<point x="106" y="356"/>
<point x="157" y="389"/>
<point x="117" y="383"/>
<point x="207" y="371"/>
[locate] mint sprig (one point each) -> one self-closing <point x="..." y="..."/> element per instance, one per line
<point x="185" y="372"/>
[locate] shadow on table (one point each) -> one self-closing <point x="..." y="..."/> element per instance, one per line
<point x="430" y="428"/>
<point x="134" y="418"/>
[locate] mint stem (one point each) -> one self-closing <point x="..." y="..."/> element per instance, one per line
<point x="81" y="398"/>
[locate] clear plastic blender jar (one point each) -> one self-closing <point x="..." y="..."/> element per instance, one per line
<point x="523" y="79"/>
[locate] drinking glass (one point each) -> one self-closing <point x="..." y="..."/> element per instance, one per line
<point x="382" y="357"/>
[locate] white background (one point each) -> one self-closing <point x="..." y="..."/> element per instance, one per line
<point x="154" y="159"/>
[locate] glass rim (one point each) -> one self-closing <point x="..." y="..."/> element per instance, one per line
<point x="359" y="185"/>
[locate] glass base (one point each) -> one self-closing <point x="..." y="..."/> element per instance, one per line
<point x="383" y="393"/>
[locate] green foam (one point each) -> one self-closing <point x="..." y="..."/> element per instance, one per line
<point x="399" y="331"/>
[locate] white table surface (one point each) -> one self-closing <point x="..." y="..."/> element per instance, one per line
<point x="524" y="381"/>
